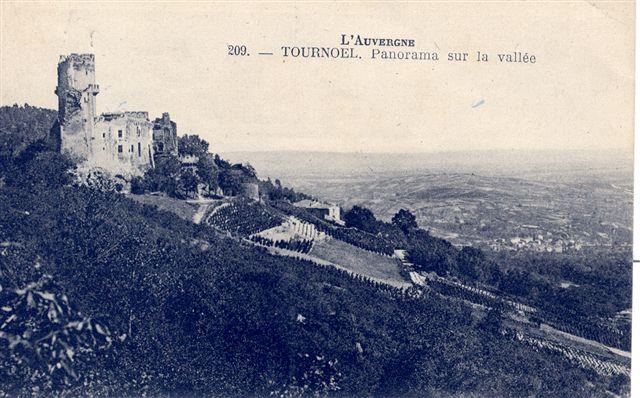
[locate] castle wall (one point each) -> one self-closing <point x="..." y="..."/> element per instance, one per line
<point x="123" y="143"/>
<point x="165" y="136"/>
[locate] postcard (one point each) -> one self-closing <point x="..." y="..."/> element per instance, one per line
<point x="316" y="199"/>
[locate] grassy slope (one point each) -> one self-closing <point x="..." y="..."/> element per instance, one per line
<point x="357" y="260"/>
<point x="179" y="207"/>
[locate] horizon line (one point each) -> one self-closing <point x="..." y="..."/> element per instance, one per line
<point x="608" y="149"/>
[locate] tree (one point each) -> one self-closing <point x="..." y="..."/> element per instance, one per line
<point x="249" y="172"/>
<point x="492" y="322"/>
<point x="619" y="384"/>
<point x="164" y="176"/>
<point x="405" y="220"/>
<point x="360" y="218"/>
<point x="516" y="282"/>
<point x="430" y="253"/>
<point x="192" y="145"/>
<point x="187" y="183"/>
<point x="39" y="167"/>
<point x="101" y="180"/>
<point x="230" y="181"/>
<point x="221" y="163"/>
<point x="138" y="185"/>
<point x="23" y="125"/>
<point x="206" y="171"/>
<point x="470" y="261"/>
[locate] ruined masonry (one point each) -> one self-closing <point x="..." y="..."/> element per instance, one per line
<point x="119" y="142"/>
<point x="165" y="137"/>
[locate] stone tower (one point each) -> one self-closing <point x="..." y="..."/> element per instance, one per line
<point x="165" y="136"/>
<point x="76" y="91"/>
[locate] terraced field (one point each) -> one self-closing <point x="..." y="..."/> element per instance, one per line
<point x="359" y="261"/>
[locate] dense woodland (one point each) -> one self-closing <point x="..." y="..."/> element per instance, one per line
<point x="105" y="296"/>
<point x="21" y="126"/>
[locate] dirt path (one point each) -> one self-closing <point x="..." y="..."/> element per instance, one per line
<point x="202" y="210"/>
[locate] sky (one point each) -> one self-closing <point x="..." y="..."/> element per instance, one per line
<point x="172" y="57"/>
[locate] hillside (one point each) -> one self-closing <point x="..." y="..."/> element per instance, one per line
<point x="22" y="125"/>
<point x="157" y="305"/>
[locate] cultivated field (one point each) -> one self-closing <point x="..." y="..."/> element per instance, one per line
<point x="359" y="261"/>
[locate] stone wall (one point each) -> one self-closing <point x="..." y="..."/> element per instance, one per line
<point x="251" y="190"/>
<point x="165" y="136"/>
<point x="123" y="143"/>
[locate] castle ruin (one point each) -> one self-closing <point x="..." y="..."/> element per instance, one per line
<point x="119" y="142"/>
<point x="165" y="137"/>
<point x="122" y="144"/>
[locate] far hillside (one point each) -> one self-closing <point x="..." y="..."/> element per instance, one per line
<point x="537" y="201"/>
<point x="23" y="125"/>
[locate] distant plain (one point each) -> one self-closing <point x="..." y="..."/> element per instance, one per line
<point x="477" y="198"/>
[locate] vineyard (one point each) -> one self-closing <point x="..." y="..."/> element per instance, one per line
<point x="592" y="329"/>
<point x="243" y="218"/>
<point x="597" y="332"/>
<point x="300" y="246"/>
<point x="602" y="365"/>
<point x="292" y="229"/>
<point x="360" y="261"/>
<point x="292" y="234"/>
<point x="581" y="358"/>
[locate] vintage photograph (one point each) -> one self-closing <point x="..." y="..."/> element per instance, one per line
<point x="325" y="199"/>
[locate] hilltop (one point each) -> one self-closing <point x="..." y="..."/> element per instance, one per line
<point x="128" y="299"/>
